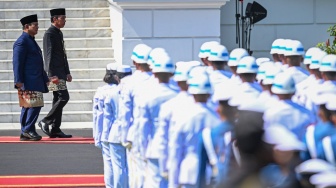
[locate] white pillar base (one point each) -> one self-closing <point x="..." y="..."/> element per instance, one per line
<point x="181" y="27"/>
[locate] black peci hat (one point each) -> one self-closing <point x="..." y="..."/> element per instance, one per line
<point x="57" y="11"/>
<point x="29" y="19"/>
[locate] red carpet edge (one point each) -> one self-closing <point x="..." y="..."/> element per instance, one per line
<point x="73" y="140"/>
<point x="36" y="181"/>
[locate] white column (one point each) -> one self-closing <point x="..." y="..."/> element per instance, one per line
<point x="179" y="26"/>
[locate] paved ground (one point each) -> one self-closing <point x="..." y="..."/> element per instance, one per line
<point x="32" y="159"/>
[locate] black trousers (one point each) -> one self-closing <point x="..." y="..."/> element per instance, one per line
<point x="54" y="116"/>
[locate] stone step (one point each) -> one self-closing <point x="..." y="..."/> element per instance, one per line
<point x="33" y="4"/>
<point x="67" y="32"/>
<point x="74" y="63"/>
<point x="75" y="73"/>
<point x="101" y="42"/>
<point x="72" y="53"/>
<point x="82" y="94"/>
<point x="72" y="105"/>
<point x="68" y="116"/>
<point x="70" y="22"/>
<point x="7" y="85"/>
<point x="44" y="13"/>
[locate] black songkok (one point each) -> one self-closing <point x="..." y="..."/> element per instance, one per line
<point x="57" y="11"/>
<point x="29" y="19"/>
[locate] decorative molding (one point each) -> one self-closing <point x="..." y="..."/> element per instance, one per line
<point x="167" y="5"/>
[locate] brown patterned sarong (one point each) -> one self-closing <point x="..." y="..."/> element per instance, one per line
<point x="29" y="99"/>
<point x="61" y="85"/>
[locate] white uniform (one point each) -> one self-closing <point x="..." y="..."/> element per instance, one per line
<point x="219" y="76"/>
<point x="102" y="133"/>
<point x="263" y="102"/>
<point x="298" y="73"/>
<point x="168" y="112"/>
<point x="236" y="79"/>
<point x="292" y="115"/>
<point x="301" y="94"/>
<point x="185" y="145"/>
<point x="146" y="128"/>
<point x="245" y="94"/>
<point x="94" y="117"/>
<point x="127" y="102"/>
<point x="99" y="104"/>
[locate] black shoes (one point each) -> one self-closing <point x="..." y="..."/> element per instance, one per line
<point x="44" y="127"/>
<point x="59" y="134"/>
<point x="54" y="133"/>
<point x="30" y="136"/>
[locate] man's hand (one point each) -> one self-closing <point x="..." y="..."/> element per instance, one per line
<point x="214" y="173"/>
<point x="164" y="175"/>
<point x="19" y="85"/>
<point x="69" y="78"/>
<point x="54" y="79"/>
<point x="127" y="145"/>
<point x="98" y="145"/>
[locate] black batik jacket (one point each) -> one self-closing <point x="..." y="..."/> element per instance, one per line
<point x="55" y="58"/>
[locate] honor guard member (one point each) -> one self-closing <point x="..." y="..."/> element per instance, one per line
<point x="306" y="94"/>
<point x="294" y="56"/>
<point x="286" y="147"/>
<point x="285" y="112"/>
<point x="275" y="51"/>
<point x="247" y="71"/>
<point x="127" y="109"/>
<point x="29" y="75"/>
<point x="266" y="73"/>
<point x="101" y="134"/>
<point x="111" y="132"/>
<point x="234" y="58"/>
<point x="217" y="140"/>
<point x="156" y="52"/>
<point x="328" y="84"/>
<point x="324" y="127"/>
<point x="169" y="111"/>
<point x="326" y="149"/>
<point x="283" y="46"/>
<point x="149" y="109"/>
<point x="186" y="143"/>
<point x="110" y="70"/>
<point x="315" y="76"/>
<point x="218" y="58"/>
<point x="328" y="71"/>
<point x="307" y="62"/>
<point x="205" y="52"/>
<point x="153" y="55"/>
<point x="262" y="70"/>
<point x="56" y="65"/>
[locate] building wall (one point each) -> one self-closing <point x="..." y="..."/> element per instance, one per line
<point x="304" y="20"/>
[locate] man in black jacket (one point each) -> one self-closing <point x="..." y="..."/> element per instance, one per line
<point x="57" y="67"/>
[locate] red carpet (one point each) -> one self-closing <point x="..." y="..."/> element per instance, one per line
<point x="52" y="181"/>
<point x="73" y="140"/>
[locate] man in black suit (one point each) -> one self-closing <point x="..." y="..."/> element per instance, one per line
<point x="57" y="67"/>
